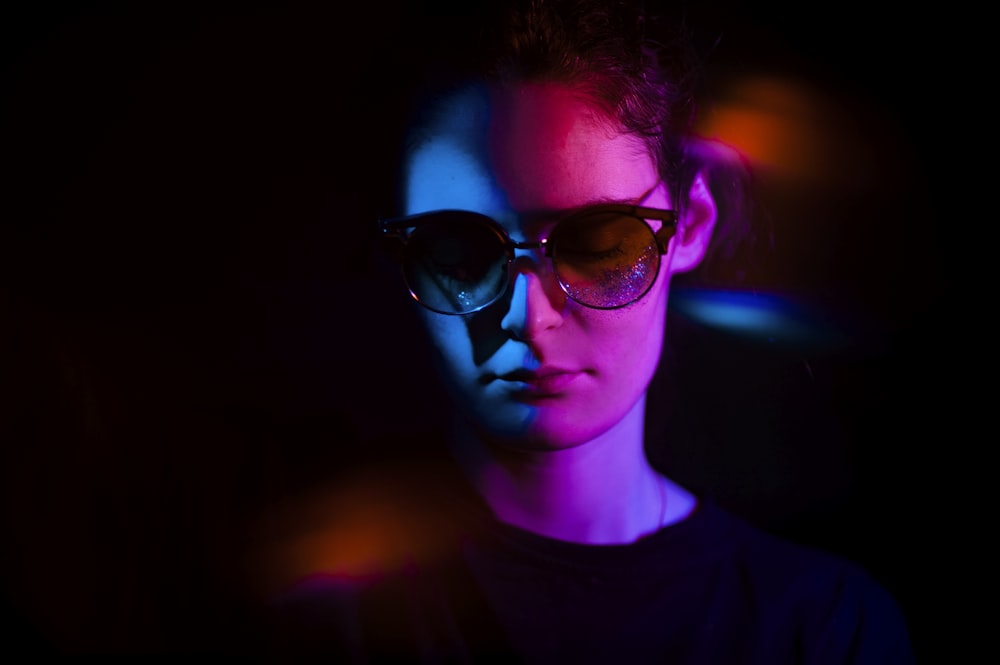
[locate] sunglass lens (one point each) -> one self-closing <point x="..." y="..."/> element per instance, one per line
<point x="605" y="260"/>
<point x="455" y="263"/>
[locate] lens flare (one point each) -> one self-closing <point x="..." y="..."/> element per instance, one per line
<point x="761" y="316"/>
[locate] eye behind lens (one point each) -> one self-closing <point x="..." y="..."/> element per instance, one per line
<point x="605" y="260"/>
<point x="455" y="262"/>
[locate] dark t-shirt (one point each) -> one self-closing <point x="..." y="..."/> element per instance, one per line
<point x="710" y="589"/>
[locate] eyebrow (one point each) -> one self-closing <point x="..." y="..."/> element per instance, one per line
<point x="605" y="200"/>
<point x="538" y="216"/>
<point x="543" y="216"/>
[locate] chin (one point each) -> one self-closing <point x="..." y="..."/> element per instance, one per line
<point x="539" y="426"/>
<point x="542" y="434"/>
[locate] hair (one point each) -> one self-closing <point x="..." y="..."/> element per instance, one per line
<point x="640" y="69"/>
<point x="612" y="53"/>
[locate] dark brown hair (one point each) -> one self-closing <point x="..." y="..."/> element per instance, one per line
<point x="639" y="68"/>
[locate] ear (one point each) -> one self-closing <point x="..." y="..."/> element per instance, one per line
<point x="694" y="232"/>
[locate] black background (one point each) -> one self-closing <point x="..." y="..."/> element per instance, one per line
<point x="193" y="325"/>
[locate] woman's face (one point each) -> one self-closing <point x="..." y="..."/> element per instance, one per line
<point x="538" y="370"/>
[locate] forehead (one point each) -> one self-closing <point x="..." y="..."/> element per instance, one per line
<point x="525" y="147"/>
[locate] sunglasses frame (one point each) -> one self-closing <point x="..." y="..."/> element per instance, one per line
<point x="395" y="232"/>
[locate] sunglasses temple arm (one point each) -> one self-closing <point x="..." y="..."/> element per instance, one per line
<point x="665" y="233"/>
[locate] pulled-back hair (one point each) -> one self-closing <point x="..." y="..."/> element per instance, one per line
<point x="639" y="69"/>
<point x="616" y="56"/>
<point x="638" y="72"/>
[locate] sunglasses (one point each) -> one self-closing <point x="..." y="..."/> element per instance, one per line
<point x="604" y="256"/>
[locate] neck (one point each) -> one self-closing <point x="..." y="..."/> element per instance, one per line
<point x="602" y="491"/>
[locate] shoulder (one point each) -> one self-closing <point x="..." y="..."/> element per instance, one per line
<point x="412" y="614"/>
<point x="832" y="605"/>
<point x="336" y="618"/>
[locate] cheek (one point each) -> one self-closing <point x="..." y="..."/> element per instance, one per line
<point x="637" y="351"/>
<point x="627" y="343"/>
<point x="452" y="347"/>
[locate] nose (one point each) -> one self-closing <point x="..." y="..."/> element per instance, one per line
<point x="537" y="301"/>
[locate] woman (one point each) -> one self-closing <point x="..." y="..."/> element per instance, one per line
<point x="547" y="197"/>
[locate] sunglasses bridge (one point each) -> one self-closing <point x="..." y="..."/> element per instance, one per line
<point x="542" y="244"/>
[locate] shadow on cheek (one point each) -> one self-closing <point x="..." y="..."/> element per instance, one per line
<point x="485" y="330"/>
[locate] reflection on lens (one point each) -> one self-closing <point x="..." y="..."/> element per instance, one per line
<point x="455" y="264"/>
<point x="606" y="260"/>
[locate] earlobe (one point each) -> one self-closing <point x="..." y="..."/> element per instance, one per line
<point x="694" y="233"/>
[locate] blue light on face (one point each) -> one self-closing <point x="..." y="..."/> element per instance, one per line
<point x="443" y="175"/>
<point x="446" y="169"/>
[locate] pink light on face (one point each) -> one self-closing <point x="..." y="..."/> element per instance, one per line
<point x="537" y="368"/>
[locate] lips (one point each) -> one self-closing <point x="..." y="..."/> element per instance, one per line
<point x="542" y="382"/>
